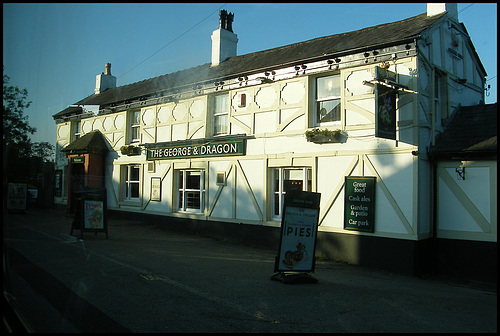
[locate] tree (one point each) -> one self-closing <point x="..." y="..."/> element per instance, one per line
<point x="23" y="160"/>
<point x="16" y="129"/>
<point x="43" y="150"/>
<point x="18" y="149"/>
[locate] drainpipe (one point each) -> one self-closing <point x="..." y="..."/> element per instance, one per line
<point x="433" y="103"/>
<point x="434" y="259"/>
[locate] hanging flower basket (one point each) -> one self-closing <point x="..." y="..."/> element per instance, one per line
<point x="130" y="150"/>
<point x="323" y="136"/>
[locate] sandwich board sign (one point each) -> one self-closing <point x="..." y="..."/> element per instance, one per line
<point x="299" y="227"/>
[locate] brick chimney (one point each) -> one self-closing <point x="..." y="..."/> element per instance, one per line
<point x="438" y="8"/>
<point x="105" y="80"/>
<point x="224" y="40"/>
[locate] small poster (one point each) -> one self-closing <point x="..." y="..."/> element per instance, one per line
<point x="299" y="228"/>
<point x="58" y="183"/>
<point x="16" y="196"/>
<point x="93" y="215"/>
<point x="156" y="189"/>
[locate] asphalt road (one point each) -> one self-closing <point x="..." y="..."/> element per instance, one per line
<point x="147" y="279"/>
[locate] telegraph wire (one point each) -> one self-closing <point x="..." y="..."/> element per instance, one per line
<point x="460" y="11"/>
<point x="175" y="39"/>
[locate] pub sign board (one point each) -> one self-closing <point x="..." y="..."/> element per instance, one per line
<point x="359" y="208"/>
<point x="299" y="227"/>
<point x="385" y="112"/>
<point x="208" y="149"/>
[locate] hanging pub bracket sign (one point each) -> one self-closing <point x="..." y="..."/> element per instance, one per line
<point x="299" y="228"/>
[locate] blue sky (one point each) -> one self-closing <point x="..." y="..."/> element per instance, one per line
<point x="56" y="50"/>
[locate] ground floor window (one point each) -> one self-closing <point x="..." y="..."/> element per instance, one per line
<point x="131" y="174"/>
<point x="191" y="192"/>
<point x="285" y="179"/>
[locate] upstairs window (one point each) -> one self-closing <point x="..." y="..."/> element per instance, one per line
<point x="135" y="126"/>
<point x="220" y="108"/>
<point x="77" y="129"/>
<point x="441" y="96"/>
<point x="328" y="92"/>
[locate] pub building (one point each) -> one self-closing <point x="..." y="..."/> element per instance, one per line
<point x="213" y="149"/>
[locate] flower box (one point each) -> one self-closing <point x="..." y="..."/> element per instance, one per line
<point x="323" y="136"/>
<point x="130" y="150"/>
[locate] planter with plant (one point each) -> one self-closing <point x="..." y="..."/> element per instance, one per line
<point x="130" y="150"/>
<point x="317" y="135"/>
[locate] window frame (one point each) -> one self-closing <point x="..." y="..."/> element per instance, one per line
<point x="441" y="96"/>
<point x="76" y="129"/>
<point x="280" y="193"/>
<point x="218" y="114"/>
<point x="317" y="100"/>
<point x="128" y="183"/>
<point x="134" y="127"/>
<point x="182" y="190"/>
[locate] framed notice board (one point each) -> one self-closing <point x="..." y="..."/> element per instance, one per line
<point x="156" y="188"/>
<point x="359" y="205"/>
<point x="299" y="226"/>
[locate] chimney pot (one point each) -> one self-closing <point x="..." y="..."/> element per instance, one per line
<point x="226" y="20"/>
<point x="108" y="69"/>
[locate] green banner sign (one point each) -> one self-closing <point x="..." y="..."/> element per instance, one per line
<point x="78" y="159"/>
<point x="208" y="149"/>
<point x="359" y="211"/>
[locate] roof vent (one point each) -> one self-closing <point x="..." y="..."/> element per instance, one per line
<point x="224" y="40"/>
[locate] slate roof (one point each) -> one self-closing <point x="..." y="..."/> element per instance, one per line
<point x="379" y="36"/>
<point x="471" y="133"/>
<point x="92" y="142"/>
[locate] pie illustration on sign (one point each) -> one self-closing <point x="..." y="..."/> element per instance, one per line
<point x="293" y="258"/>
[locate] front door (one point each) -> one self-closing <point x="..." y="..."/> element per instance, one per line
<point x="77" y="183"/>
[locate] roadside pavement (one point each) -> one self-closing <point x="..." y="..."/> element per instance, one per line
<point x="145" y="278"/>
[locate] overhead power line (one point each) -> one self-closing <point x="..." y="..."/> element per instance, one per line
<point x="460" y="11"/>
<point x="175" y="39"/>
